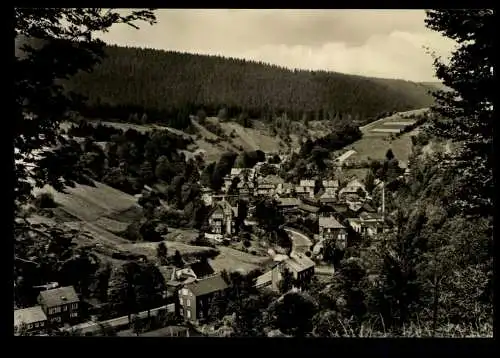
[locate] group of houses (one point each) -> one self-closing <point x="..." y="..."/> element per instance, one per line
<point x="311" y="198"/>
<point x="56" y="307"/>
<point x="297" y="264"/>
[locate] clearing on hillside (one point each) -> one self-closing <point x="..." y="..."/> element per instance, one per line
<point x="90" y="203"/>
<point x="376" y="138"/>
<point x="235" y="260"/>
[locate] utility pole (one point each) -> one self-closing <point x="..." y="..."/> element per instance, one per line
<point x="383" y="202"/>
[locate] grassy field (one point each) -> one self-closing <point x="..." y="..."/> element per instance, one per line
<point x="149" y="248"/>
<point x="374" y="145"/>
<point x="91" y="203"/>
<point x="235" y="260"/>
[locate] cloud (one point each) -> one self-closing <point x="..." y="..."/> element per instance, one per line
<point x="381" y="43"/>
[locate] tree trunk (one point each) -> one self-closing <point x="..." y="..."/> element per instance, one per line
<point x="435" y="306"/>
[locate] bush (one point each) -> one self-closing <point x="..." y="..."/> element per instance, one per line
<point x="253" y="252"/>
<point x="247" y="243"/>
<point x="45" y="201"/>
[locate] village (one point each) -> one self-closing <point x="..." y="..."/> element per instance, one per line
<point x="334" y="211"/>
<point x="253" y="173"/>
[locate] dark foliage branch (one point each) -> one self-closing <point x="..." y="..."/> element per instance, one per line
<point x="58" y="43"/>
<point x="466" y="112"/>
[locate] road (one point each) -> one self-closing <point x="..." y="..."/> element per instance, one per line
<point x="300" y="242"/>
<point x="85" y="327"/>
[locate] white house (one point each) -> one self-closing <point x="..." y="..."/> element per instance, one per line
<point x="331" y="187"/>
<point x="306" y="187"/>
<point x="352" y="189"/>
<point x="222" y="218"/>
<point x="330" y="228"/>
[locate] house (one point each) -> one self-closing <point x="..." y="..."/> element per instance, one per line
<point x="301" y="267"/>
<point x="194" y="271"/>
<point x="367" y="225"/>
<point x="265" y="189"/>
<point x="235" y="172"/>
<point x="31" y="319"/>
<point x="328" y="197"/>
<point x="287" y="205"/>
<point x="300" y="191"/>
<point x="285" y="189"/>
<point x="331" y="187"/>
<point x="60" y="305"/>
<point x="306" y="187"/>
<point x="245" y="189"/>
<point x="354" y="190"/>
<point x="330" y="228"/>
<point x="202" y="269"/>
<point x="221" y="219"/>
<point x="195" y="298"/>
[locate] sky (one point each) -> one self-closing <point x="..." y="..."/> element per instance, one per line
<point x="377" y="43"/>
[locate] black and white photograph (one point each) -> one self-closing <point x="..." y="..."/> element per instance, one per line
<point x="253" y="173"/>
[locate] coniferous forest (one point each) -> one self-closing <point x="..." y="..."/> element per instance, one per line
<point x="168" y="86"/>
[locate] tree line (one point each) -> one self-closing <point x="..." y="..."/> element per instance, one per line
<point x="167" y="86"/>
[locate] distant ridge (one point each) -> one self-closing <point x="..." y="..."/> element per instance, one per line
<point x="168" y="86"/>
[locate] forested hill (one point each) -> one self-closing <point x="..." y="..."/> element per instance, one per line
<point x="168" y="85"/>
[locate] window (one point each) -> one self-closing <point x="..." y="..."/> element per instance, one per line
<point x="65" y="308"/>
<point x="74" y="314"/>
<point x="42" y="324"/>
<point x="190" y="294"/>
<point x="188" y="314"/>
<point x="180" y="301"/>
<point x="30" y="325"/>
<point x="74" y="305"/>
<point x="188" y="302"/>
<point x="185" y="291"/>
<point x="58" y="309"/>
<point x="36" y="324"/>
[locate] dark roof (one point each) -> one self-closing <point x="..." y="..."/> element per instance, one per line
<point x="288" y="202"/>
<point x="367" y="207"/>
<point x="329" y="222"/>
<point x="308" y="208"/>
<point x="202" y="269"/>
<point x="327" y="199"/>
<point x="340" y="208"/>
<point x="59" y="296"/>
<point x="208" y="285"/>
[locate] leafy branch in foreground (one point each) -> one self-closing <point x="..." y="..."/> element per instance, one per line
<point x="53" y="45"/>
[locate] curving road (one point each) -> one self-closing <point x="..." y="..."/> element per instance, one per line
<point x="300" y="242"/>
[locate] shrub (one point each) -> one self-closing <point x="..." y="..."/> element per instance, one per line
<point x="253" y="252"/>
<point x="45" y="201"/>
<point x="247" y="243"/>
